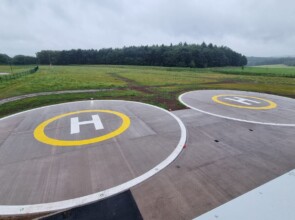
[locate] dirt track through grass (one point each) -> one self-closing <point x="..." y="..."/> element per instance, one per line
<point x="132" y="84"/>
<point x="155" y="85"/>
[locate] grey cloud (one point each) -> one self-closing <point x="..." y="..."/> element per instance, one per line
<point x="260" y="28"/>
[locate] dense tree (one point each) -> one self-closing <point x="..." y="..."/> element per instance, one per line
<point x="23" y="60"/>
<point x="4" y="59"/>
<point x="181" y="55"/>
<point x="17" y="60"/>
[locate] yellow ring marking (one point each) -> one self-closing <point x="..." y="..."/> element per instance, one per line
<point x="40" y="135"/>
<point x="270" y="106"/>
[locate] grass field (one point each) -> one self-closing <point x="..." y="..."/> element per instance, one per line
<point x="156" y="85"/>
<point x="15" y="69"/>
<point x="275" y="66"/>
<point x="268" y="70"/>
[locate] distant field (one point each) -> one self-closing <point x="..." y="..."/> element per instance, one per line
<point x="14" y="69"/>
<point x="275" y="66"/>
<point x="271" y="70"/>
<point x="156" y="85"/>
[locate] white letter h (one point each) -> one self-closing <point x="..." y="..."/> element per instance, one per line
<point x="75" y="124"/>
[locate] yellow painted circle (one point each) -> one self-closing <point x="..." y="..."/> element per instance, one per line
<point x="270" y="105"/>
<point x="40" y="135"/>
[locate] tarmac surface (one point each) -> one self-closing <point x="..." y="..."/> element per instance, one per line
<point x="71" y="154"/>
<point x="243" y="106"/>
<point x="223" y="157"/>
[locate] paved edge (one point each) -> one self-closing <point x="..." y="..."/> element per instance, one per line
<point x="16" y="98"/>
<point x="6" y="210"/>
<point x="231" y="118"/>
<point x="272" y="200"/>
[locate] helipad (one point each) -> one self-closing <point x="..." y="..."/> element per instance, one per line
<point x="242" y="106"/>
<point x="66" y="155"/>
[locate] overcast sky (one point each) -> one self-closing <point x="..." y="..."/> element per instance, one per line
<point x="251" y="27"/>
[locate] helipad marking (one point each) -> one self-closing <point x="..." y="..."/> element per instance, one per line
<point x="242" y="100"/>
<point x="75" y="124"/>
<point x="231" y="118"/>
<point x="245" y="100"/>
<point x="66" y="204"/>
<point x="40" y="135"/>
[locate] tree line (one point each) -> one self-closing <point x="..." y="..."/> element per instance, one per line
<point x="17" y="60"/>
<point x="180" y="55"/>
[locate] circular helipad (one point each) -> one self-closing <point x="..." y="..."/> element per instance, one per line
<point x="243" y="106"/>
<point x="66" y="155"/>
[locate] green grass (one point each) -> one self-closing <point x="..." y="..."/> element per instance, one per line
<point x="156" y="85"/>
<point x="277" y="71"/>
<point x="60" y="78"/>
<point x="275" y="66"/>
<point x="15" y="69"/>
<point x="29" y="103"/>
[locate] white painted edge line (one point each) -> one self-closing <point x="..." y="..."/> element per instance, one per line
<point x="8" y="210"/>
<point x="231" y="118"/>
